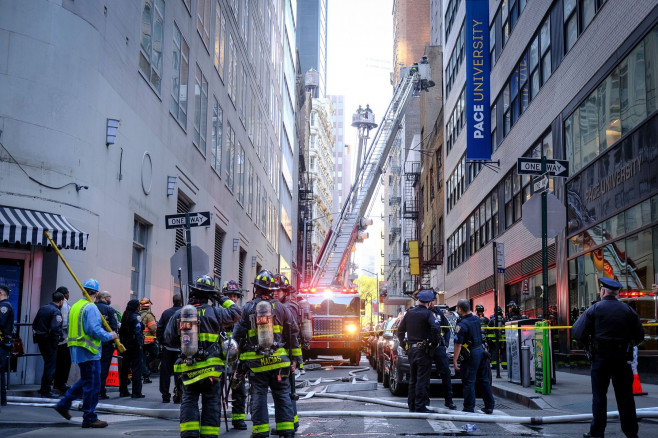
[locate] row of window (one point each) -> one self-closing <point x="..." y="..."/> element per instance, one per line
<point x="456" y="121"/>
<point x="502" y="25"/>
<point x="577" y="15"/>
<point x="455" y="61"/>
<point x="451" y="12"/>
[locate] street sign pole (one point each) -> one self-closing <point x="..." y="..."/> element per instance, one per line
<point x="544" y="244"/>
<point x="188" y="243"/>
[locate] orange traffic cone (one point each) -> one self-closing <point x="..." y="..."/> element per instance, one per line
<point x="637" y="386"/>
<point x="113" y="375"/>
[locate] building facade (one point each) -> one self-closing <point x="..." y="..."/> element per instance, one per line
<point x="312" y="40"/>
<point x="131" y="111"/>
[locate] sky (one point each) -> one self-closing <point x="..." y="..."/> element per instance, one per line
<point x="359" y="65"/>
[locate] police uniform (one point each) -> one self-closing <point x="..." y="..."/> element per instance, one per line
<point x="168" y="357"/>
<point x="268" y="369"/>
<point x="200" y="374"/>
<point x="611" y="328"/>
<point x="132" y="337"/>
<point x="440" y="357"/>
<point x="422" y="329"/>
<point x="6" y="345"/>
<point x="475" y="368"/>
<point x="108" y="348"/>
<point x="47" y="332"/>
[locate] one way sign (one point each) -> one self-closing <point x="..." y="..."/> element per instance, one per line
<point x="532" y="166"/>
<point x="197" y="219"/>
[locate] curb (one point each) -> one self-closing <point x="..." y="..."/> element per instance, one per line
<point x="529" y="402"/>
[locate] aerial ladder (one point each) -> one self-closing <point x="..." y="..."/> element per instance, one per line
<point x="344" y="233"/>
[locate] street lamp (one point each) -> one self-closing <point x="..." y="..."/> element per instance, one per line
<point x="306" y="221"/>
<point x="377" y="285"/>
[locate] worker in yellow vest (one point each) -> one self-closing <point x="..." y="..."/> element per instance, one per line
<point x="150" y="332"/>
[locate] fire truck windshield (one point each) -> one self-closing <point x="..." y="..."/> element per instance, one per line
<point x="338" y="305"/>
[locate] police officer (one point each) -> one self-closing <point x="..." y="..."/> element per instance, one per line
<point x="150" y="334"/>
<point x="46" y="333"/>
<point x="238" y="388"/>
<point x="103" y="301"/>
<point x="201" y="368"/>
<point x="496" y="338"/>
<point x="266" y="336"/>
<point x="474" y="368"/>
<point x="440" y="355"/>
<point x="131" y="334"/>
<point x="169" y="355"/>
<point x="422" y="332"/>
<point x="610" y="329"/>
<point x="63" y="363"/>
<point x="6" y="340"/>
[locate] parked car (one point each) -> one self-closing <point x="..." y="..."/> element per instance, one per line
<point x="396" y="363"/>
<point x="371" y="343"/>
<point x="383" y="339"/>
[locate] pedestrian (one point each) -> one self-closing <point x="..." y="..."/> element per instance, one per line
<point x="47" y="333"/>
<point x="610" y="329"/>
<point x="475" y="367"/>
<point x="423" y="332"/>
<point x="6" y="340"/>
<point x="63" y="363"/>
<point x="514" y="312"/>
<point x="103" y="301"/>
<point x="85" y="335"/>
<point x="265" y="348"/>
<point x="150" y="335"/>
<point x="168" y="355"/>
<point x="201" y="368"/>
<point x="131" y="334"/>
<point x="440" y="354"/>
<point x="238" y="388"/>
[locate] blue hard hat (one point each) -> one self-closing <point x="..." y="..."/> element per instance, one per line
<point x="91" y="284"/>
<point x="425" y="296"/>
<point x="610" y="283"/>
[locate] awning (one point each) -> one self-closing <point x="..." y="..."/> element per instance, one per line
<point x="21" y="226"/>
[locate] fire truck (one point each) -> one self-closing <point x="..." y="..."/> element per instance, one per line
<point x="335" y="318"/>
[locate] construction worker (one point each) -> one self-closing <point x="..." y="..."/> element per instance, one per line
<point x="267" y="336"/>
<point x="199" y="324"/>
<point x="168" y="355"/>
<point x="238" y="389"/>
<point x="150" y="336"/>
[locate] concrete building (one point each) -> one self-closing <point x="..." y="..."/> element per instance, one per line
<point x="342" y="155"/>
<point x="114" y="115"/>
<point x="562" y="86"/>
<point x="312" y="40"/>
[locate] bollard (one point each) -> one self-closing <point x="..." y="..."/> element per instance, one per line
<point x="525" y="366"/>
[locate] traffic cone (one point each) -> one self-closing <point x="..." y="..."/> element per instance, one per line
<point x="637" y="386"/>
<point x="113" y="375"/>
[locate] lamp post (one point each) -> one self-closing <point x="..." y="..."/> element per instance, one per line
<point x="376" y="274"/>
<point x="306" y="221"/>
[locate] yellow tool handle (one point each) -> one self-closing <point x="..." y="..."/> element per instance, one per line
<point x="107" y="327"/>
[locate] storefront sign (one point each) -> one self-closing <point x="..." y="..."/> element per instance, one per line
<point x="478" y="111"/>
<point x="613" y="179"/>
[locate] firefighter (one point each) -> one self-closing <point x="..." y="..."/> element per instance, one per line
<point x="498" y="351"/>
<point x="484" y="322"/>
<point x="150" y="335"/>
<point x="195" y="330"/>
<point x="238" y="389"/>
<point x="267" y="335"/>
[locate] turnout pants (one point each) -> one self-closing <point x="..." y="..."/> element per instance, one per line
<point x="239" y="396"/>
<point x="420" y="365"/>
<point x="205" y="424"/>
<point x="277" y="381"/>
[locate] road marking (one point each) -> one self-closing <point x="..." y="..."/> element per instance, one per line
<point x="375" y="425"/>
<point x="443" y="426"/>
<point x="516" y="429"/>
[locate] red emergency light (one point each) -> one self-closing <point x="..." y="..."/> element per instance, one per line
<point x="634" y="294"/>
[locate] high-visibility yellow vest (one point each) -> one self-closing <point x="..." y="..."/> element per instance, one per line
<point x="77" y="335"/>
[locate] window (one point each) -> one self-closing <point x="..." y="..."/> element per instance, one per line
<point x="179" y="78"/>
<point x="456" y="60"/>
<point x="578" y="14"/>
<point x="492" y="45"/>
<point x="230" y="157"/>
<point x="151" y="45"/>
<point x="455" y="122"/>
<point x="239" y="165"/>
<point x="200" y="110"/>
<point x="217" y="130"/>
<point x="545" y="45"/>
<point x="451" y="11"/>
<point x="220" y="27"/>
<point x="203" y="21"/>
<point x="232" y="75"/>
<point x="219" y="246"/>
<point x="257" y="200"/>
<point x="250" y="189"/>
<point x="138" y="269"/>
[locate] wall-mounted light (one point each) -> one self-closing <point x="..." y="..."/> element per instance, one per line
<point x="171" y="185"/>
<point x="236" y="242"/>
<point x="111" y="131"/>
<point x="253" y="261"/>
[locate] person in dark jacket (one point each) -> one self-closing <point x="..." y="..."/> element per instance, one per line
<point x="610" y="329"/>
<point x="6" y="338"/>
<point x="131" y="335"/>
<point x="168" y="354"/>
<point x="46" y="333"/>
<point x="103" y="301"/>
<point x="440" y="355"/>
<point x="63" y="364"/>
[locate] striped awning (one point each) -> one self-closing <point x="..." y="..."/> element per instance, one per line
<point x="21" y="226"/>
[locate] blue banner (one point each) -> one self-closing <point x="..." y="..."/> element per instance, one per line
<point x="478" y="111"/>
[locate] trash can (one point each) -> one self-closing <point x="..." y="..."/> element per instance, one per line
<point x="525" y="366"/>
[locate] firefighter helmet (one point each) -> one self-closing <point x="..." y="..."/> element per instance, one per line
<point x="232" y="287"/>
<point x="144" y="302"/>
<point x="204" y="283"/>
<point x="284" y="283"/>
<point x="265" y="280"/>
<point x="479" y="308"/>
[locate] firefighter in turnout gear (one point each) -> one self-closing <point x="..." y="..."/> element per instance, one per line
<point x="150" y="334"/>
<point x="484" y="322"/>
<point x="267" y="337"/>
<point x="238" y="389"/>
<point x="195" y="329"/>
<point x="498" y="351"/>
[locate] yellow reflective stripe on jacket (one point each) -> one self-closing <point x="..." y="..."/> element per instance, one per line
<point x="77" y="336"/>
<point x="275" y="328"/>
<point x="296" y="351"/>
<point x="228" y="303"/>
<point x="285" y="425"/>
<point x="260" y="428"/>
<point x="210" y="337"/>
<point x="189" y="425"/>
<point x="273" y="366"/>
<point x="251" y="355"/>
<point x="183" y="367"/>
<point x="210" y="430"/>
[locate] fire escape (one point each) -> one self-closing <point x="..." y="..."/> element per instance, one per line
<point x="410" y="214"/>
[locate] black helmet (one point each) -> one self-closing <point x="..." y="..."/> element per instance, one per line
<point x="265" y="280"/>
<point x="231" y="287"/>
<point x="204" y="283"/>
<point x="283" y="283"/>
<point x="511" y="303"/>
<point x="498" y="309"/>
<point x="479" y="308"/>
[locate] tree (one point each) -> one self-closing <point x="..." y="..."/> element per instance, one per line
<point x="368" y="292"/>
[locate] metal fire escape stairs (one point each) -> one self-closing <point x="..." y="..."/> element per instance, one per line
<point x="343" y="234"/>
<point x="410" y="215"/>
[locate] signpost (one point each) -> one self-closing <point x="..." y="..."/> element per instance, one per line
<point x="188" y="220"/>
<point x="533" y="166"/>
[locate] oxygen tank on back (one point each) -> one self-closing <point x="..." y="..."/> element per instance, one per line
<point x="189" y="331"/>
<point x="306" y="328"/>
<point x="264" y="325"/>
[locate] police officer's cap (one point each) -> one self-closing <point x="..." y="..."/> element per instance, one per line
<point x="610" y="283"/>
<point x="425" y="296"/>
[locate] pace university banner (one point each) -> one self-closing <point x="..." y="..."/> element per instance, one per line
<point x="478" y="111"/>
